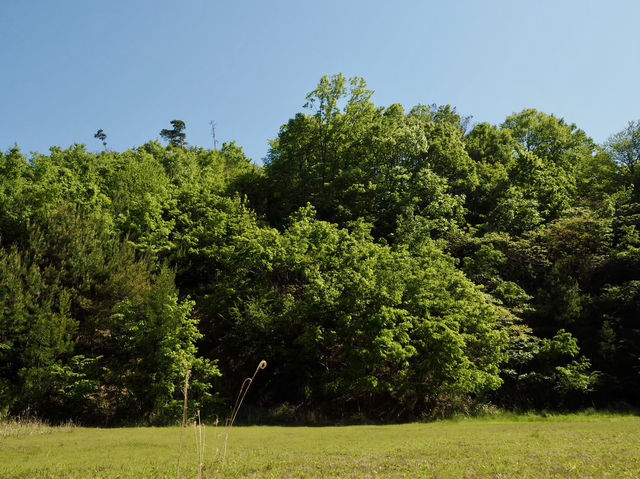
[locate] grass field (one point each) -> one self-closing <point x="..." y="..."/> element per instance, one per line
<point x="583" y="446"/>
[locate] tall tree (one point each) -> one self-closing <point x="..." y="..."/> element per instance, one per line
<point x="351" y="160"/>
<point x="624" y="147"/>
<point x="175" y="136"/>
<point x="102" y="136"/>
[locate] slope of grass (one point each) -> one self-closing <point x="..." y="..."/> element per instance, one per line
<point x="597" y="446"/>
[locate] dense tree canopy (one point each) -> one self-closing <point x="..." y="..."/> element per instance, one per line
<point x="388" y="263"/>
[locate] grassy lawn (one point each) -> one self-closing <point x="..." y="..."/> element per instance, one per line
<point x="583" y="446"/>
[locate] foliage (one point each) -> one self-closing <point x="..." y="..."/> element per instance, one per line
<point x="176" y="135"/>
<point x="624" y="148"/>
<point x="102" y="137"/>
<point x="388" y="263"/>
<point x="356" y="325"/>
<point x="352" y="160"/>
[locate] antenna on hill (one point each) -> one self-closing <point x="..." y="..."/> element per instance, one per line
<point x="213" y="134"/>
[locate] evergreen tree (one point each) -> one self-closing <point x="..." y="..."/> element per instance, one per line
<point x="175" y="136"/>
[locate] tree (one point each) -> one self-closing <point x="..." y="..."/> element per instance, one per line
<point x="492" y="150"/>
<point x="102" y="136"/>
<point x="550" y="138"/>
<point x="624" y="147"/>
<point x="352" y="160"/>
<point x="349" y="324"/>
<point x="176" y="136"/>
<point x="89" y="331"/>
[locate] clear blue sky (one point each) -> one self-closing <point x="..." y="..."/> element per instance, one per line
<point x="69" y="67"/>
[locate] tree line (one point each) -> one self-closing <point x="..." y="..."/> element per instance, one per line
<point x="388" y="264"/>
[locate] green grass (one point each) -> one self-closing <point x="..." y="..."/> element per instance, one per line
<point x="579" y="446"/>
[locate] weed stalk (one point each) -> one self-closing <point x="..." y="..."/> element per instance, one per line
<point x="185" y="392"/>
<point x="244" y="389"/>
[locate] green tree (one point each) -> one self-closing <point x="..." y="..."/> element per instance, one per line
<point x="351" y="324"/>
<point x="87" y="327"/>
<point x="176" y="135"/>
<point x="624" y="147"/>
<point x="493" y="151"/>
<point x="351" y="160"/>
<point x="102" y="137"/>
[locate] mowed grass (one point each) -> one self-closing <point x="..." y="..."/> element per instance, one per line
<point x="587" y="446"/>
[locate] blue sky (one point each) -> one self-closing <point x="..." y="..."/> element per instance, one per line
<point x="129" y="67"/>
